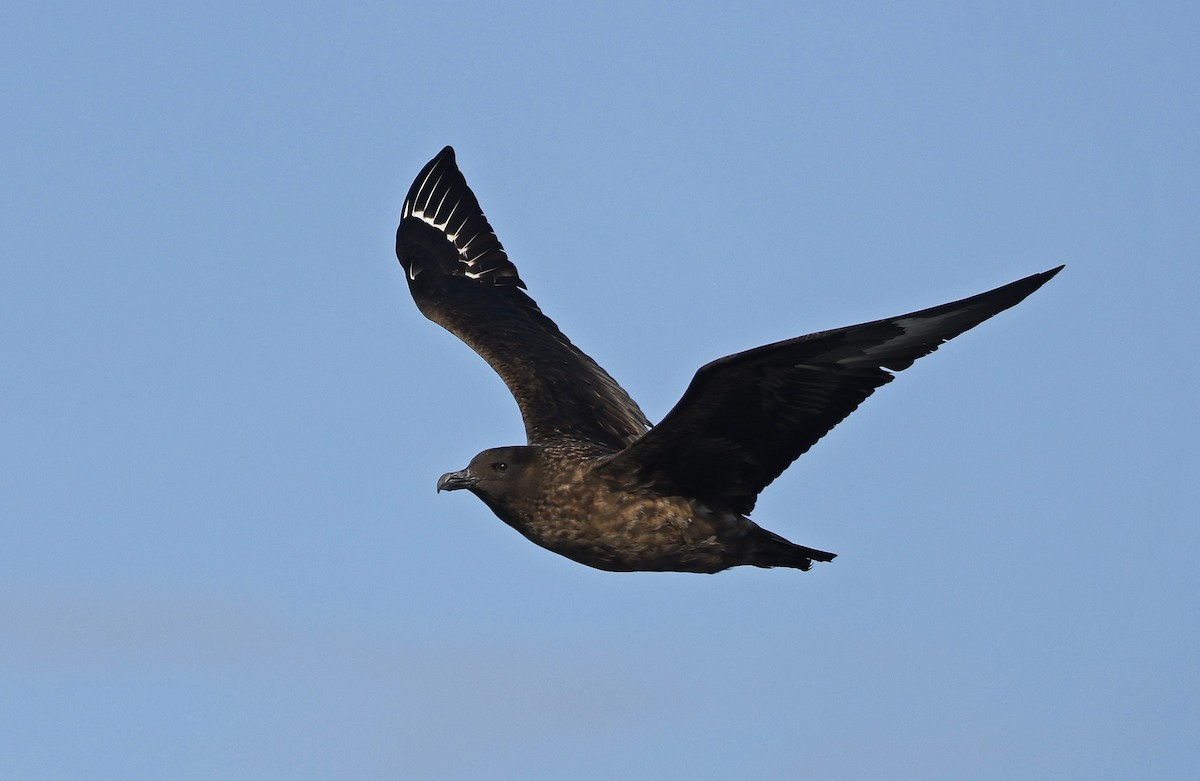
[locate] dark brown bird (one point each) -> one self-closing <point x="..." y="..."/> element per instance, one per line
<point x="595" y="482"/>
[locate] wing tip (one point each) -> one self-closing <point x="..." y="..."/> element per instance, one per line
<point x="1027" y="286"/>
<point x="443" y="228"/>
<point x="1049" y="275"/>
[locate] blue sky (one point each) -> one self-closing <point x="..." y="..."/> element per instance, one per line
<point x="221" y="553"/>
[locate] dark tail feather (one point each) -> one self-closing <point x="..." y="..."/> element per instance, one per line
<point x="772" y="550"/>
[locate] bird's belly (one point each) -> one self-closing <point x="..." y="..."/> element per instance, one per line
<point x="625" y="539"/>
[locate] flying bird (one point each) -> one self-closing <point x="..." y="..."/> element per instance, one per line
<point x="596" y="482"/>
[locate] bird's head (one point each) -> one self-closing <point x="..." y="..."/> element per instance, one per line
<point x="494" y="473"/>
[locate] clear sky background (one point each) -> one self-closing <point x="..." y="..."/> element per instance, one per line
<point x="221" y="552"/>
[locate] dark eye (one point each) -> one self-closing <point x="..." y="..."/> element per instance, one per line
<point x="500" y="466"/>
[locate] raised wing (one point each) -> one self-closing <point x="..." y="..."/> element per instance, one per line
<point x="746" y="417"/>
<point x="461" y="278"/>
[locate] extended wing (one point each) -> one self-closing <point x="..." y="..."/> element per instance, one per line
<point x="745" y="417"/>
<point x="461" y="278"/>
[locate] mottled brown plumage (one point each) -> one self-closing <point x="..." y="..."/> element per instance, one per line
<point x="595" y="483"/>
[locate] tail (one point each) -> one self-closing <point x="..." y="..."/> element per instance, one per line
<point x="771" y="550"/>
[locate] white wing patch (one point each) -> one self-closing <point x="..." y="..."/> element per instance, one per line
<point x="441" y="200"/>
<point x="917" y="330"/>
<point x="427" y="216"/>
